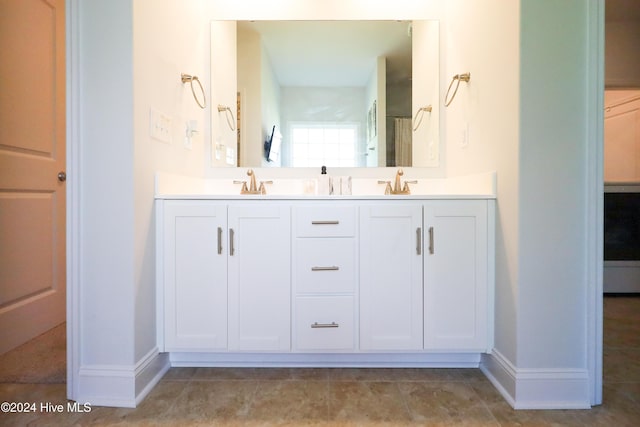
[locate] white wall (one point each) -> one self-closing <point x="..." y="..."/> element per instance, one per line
<point x="483" y="38"/>
<point x="553" y="185"/>
<point x="223" y="83"/>
<point x="107" y="227"/>
<point x="161" y="55"/>
<point x="426" y="83"/>
<point x="323" y="9"/>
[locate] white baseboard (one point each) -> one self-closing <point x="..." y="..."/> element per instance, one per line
<point x="526" y="388"/>
<point x="121" y="385"/>
<point x="325" y="360"/>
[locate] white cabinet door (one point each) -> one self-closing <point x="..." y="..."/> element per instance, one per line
<point x="195" y="276"/>
<point x="259" y="277"/>
<point x="455" y="275"/>
<point x="391" y="277"/>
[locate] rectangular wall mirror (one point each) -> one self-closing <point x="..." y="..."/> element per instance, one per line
<point x="334" y="93"/>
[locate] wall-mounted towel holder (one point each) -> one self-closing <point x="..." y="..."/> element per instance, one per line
<point x="465" y="77"/>
<point x="419" y="115"/>
<point x="187" y="78"/>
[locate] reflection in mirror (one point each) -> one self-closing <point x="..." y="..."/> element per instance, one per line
<point x="334" y="93"/>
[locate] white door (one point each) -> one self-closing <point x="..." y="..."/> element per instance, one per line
<point x="455" y="275"/>
<point x="259" y="277"/>
<point x="391" y="277"/>
<point x="32" y="154"/>
<point x="195" y="276"/>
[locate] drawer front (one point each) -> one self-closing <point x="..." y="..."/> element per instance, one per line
<point x="324" y="323"/>
<point x="325" y="221"/>
<point x="325" y="265"/>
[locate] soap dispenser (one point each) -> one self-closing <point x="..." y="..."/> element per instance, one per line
<point x="324" y="183"/>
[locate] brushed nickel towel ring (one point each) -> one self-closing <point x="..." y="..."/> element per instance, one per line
<point x="465" y="77"/>
<point x="231" y="122"/>
<point x="419" y="115"/>
<point x="186" y="78"/>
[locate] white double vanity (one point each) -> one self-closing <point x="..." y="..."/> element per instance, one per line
<point x="300" y="280"/>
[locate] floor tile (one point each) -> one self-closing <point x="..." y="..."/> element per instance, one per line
<point x="366" y="401"/>
<point x="621" y="364"/>
<point x="298" y="402"/>
<point x="213" y="401"/>
<point x="454" y="403"/>
<point x="395" y="374"/>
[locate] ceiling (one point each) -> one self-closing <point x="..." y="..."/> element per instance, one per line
<point x="334" y="53"/>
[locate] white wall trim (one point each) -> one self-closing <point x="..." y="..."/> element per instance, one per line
<point x="149" y="371"/>
<point x="300" y="360"/>
<point x="501" y="373"/>
<point x="73" y="217"/>
<point x="526" y="388"/>
<point x="121" y="385"/>
<point x="595" y="197"/>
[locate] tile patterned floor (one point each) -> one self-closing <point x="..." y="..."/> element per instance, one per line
<point x="354" y="397"/>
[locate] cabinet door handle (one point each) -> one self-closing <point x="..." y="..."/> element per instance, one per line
<point x="219" y="240"/>
<point x="419" y="241"/>
<point x="431" y="245"/>
<point x="332" y="268"/>
<point x="316" y="325"/>
<point x="232" y="248"/>
<point x="325" y="222"/>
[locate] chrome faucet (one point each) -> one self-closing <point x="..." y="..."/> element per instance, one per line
<point x="253" y="188"/>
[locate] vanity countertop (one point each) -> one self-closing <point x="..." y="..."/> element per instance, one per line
<point x="316" y="197"/>
<point x="172" y="187"/>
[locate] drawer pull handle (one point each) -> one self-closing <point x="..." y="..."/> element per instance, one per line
<point x="332" y="268"/>
<point x="232" y="248"/>
<point x="419" y="241"/>
<point x="219" y="240"/>
<point x="317" y="325"/>
<point x="335" y="222"/>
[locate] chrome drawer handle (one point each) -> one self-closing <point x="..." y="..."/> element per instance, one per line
<point x="316" y="325"/>
<point x="332" y="268"/>
<point x="325" y="222"/>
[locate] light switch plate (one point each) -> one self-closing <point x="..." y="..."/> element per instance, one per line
<point x="160" y="126"/>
